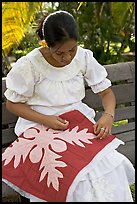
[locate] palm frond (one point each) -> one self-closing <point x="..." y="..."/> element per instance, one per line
<point x="16" y="17"/>
<point x="119" y="12"/>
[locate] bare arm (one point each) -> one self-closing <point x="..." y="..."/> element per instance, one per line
<point x="106" y="120"/>
<point x="24" y="111"/>
<point x="108" y="100"/>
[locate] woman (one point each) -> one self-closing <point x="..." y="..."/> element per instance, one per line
<point x="45" y="89"/>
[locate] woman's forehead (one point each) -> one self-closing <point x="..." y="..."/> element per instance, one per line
<point x="65" y="46"/>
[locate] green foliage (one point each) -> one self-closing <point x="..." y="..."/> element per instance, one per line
<point x="28" y="43"/>
<point x="16" y="17"/>
<point x="132" y="188"/>
<point x="102" y="28"/>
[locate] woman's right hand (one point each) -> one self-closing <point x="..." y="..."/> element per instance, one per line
<point x="23" y="110"/>
<point x="55" y="122"/>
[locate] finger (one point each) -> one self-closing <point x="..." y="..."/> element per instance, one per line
<point x="96" y="128"/>
<point x="101" y="132"/>
<point x="62" y="121"/>
<point x="105" y="134"/>
<point x="62" y="125"/>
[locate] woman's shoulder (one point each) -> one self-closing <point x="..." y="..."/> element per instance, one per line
<point x="33" y="53"/>
<point x="24" y="64"/>
<point x="26" y="59"/>
<point x="83" y="53"/>
<point x="34" y="56"/>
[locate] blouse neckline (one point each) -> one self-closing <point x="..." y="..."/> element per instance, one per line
<point x="45" y="69"/>
<point x="54" y="67"/>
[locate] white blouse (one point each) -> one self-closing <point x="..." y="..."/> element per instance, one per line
<point x="53" y="90"/>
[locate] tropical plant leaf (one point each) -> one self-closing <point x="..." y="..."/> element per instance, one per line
<point x="16" y="17"/>
<point x="119" y="12"/>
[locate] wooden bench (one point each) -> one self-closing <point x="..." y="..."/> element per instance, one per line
<point x="122" y="76"/>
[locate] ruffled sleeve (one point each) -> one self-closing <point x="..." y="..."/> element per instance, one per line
<point x="96" y="74"/>
<point x="20" y="81"/>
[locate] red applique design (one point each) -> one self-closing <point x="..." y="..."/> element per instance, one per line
<point x="44" y="162"/>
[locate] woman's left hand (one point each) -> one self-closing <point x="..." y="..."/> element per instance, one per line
<point x="102" y="128"/>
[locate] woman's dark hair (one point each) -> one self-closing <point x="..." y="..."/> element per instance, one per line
<point x="56" y="27"/>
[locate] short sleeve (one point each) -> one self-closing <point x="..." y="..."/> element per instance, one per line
<point x="96" y="74"/>
<point x="20" y="81"/>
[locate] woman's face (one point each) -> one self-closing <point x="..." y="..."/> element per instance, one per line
<point x="64" y="52"/>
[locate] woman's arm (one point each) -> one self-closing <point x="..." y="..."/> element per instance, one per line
<point x="106" y="120"/>
<point x="108" y="100"/>
<point x="23" y="110"/>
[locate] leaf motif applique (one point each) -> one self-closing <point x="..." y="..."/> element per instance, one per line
<point x="38" y="138"/>
<point x="17" y="150"/>
<point x="49" y="164"/>
<point x="75" y="136"/>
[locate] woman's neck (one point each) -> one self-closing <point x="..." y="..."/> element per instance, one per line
<point x="48" y="57"/>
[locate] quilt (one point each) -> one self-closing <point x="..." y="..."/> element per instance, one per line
<point x="44" y="162"/>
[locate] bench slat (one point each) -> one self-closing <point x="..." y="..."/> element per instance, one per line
<point x="120" y="71"/>
<point x="128" y="150"/>
<point x="120" y="113"/>
<point x="7" y="117"/>
<point x="125" y="113"/>
<point x="94" y="101"/>
<point x="91" y="99"/>
<point x="123" y="92"/>
<point x="8" y="136"/>
<point x="127" y="136"/>
<point x="125" y="130"/>
<point x="3" y="87"/>
<point x="8" y="194"/>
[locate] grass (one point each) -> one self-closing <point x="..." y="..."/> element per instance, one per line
<point x="132" y="188"/>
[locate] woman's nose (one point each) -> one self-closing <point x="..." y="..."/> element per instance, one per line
<point x="67" y="57"/>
